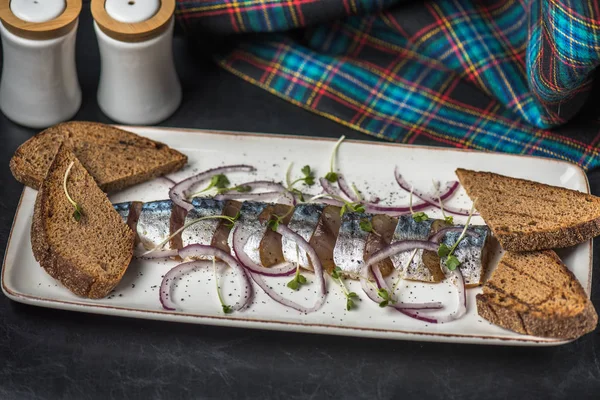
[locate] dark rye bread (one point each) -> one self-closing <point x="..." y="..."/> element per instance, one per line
<point x="88" y="257"/>
<point x="115" y="158"/>
<point x="535" y="294"/>
<point x="527" y="216"/>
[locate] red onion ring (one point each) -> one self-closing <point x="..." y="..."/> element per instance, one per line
<point x="329" y="188"/>
<point x="264" y="196"/>
<point x="431" y="200"/>
<point x="165" y="285"/>
<point x="180" y="191"/>
<point x="239" y="241"/>
<point x="196" y="250"/>
<point x="346" y="189"/>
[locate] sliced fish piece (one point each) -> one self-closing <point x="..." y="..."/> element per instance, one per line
<point x="425" y="265"/>
<point x="271" y="243"/>
<point x="351" y="242"/>
<point x="304" y="222"/>
<point x="156" y="222"/>
<point x="325" y="236"/>
<point x="250" y="227"/>
<point x="202" y="232"/>
<point x="130" y="213"/>
<point x="472" y="252"/>
<point x="223" y="231"/>
<point x="383" y="232"/>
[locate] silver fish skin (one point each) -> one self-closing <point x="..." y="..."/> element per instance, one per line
<point x="202" y="232"/>
<point x="251" y="228"/>
<point x="409" y="229"/>
<point x="470" y="253"/>
<point x="154" y="224"/>
<point x="304" y="221"/>
<point x="348" y="253"/>
<point x="123" y="209"/>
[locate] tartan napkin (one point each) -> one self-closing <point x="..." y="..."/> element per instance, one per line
<point x="515" y="76"/>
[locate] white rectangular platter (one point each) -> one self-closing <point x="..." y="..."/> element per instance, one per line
<point x="370" y="166"/>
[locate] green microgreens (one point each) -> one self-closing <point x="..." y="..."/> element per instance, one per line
<point x="219" y="181"/>
<point x="331" y="175"/>
<point x="275" y="220"/>
<point x="399" y="278"/>
<point x="447" y="252"/>
<point x="352" y="207"/>
<point x="337" y="275"/>
<point x="308" y="179"/>
<point x="226" y="309"/>
<point x="387" y="298"/>
<point x="298" y="280"/>
<point x="448" y="218"/>
<point x="366" y="225"/>
<point x="417" y="216"/>
<point x="357" y="192"/>
<point x="78" y="210"/>
<point x="230" y="222"/>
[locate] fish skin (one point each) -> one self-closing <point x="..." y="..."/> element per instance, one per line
<point x="123" y="209"/>
<point x="409" y="229"/>
<point x="471" y="252"/>
<point x="154" y="223"/>
<point x="202" y="232"/>
<point x="304" y="221"/>
<point x="350" y="246"/>
<point x="250" y="227"/>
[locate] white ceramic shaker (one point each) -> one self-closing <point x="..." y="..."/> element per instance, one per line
<point x="39" y="85"/>
<point x="138" y="82"/>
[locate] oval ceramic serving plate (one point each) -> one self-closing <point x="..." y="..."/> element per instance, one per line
<point x="368" y="165"/>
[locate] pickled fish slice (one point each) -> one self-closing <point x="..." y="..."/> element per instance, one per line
<point x="270" y="249"/>
<point x="351" y="242"/>
<point x="304" y="222"/>
<point x="325" y="236"/>
<point x="425" y="265"/>
<point x="156" y="222"/>
<point x="202" y="232"/>
<point x="472" y="252"/>
<point x="250" y="228"/>
<point x="383" y="231"/>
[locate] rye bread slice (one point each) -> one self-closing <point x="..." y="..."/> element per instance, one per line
<point x="527" y="216"/>
<point x="115" y="158"/>
<point x="535" y="294"/>
<point x="88" y="256"/>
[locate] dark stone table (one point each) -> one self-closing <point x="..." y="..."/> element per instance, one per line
<point x="54" y="354"/>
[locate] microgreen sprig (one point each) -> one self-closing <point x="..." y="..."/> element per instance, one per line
<point x="386" y="296"/>
<point x="78" y="210"/>
<point x="447" y="252"/>
<point x="448" y="218"/>
<point x="332" y="176"/>
<point x="417" y="216"/>
<point x="298" y="280"/>
<point x="230" y="222"/>
<point x="226" y="309"/>
<point x="350" y="296"/>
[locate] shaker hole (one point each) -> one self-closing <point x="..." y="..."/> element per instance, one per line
<point x="131" y="3"/>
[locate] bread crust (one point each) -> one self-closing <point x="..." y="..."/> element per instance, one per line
<point x="29" y="175"/>
<point x="60" y="267"/>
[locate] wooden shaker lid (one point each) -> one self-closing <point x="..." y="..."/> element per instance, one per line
<point x="137" y="31"/>
<point x="51" y="29"/>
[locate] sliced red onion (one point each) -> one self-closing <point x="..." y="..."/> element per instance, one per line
<point x="375" y="200"/>
<point x="264" y="185"/>
<point x="167" y="180"/>
<point x="346" y="189"/>
<point x="432" y="200"/>
<point x="178" y="193"/>
<point x="328" y="201"/>
<point x="264" y="196"/>
<point x="239" y="241"/>
<point x="283" y="230"/>
<point x="169" y="278"/>
<point x="197" y="250"/>
<point x="329" y="188"/>
<point x="399" y="247"/>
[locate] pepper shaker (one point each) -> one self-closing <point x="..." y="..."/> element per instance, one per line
<point x="39" y="85"/>
<point x="138" y="81"/>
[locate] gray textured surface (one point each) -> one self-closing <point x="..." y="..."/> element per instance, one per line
<point x="51" y="354"/>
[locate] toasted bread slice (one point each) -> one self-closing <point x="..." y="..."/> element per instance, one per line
<point x="534" y="293"/>
<point x="88" y="256"/>
<point x="527" y="216"/>
<point x="115" y="158"/>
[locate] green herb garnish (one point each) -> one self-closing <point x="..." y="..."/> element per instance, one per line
<point x="298" y="280"/>
<point x="352" y="207"/>
<point x="447" y="252"/>
<point x="331" y="175"/>
<point x="387" y="298"/>
<point x="243" y="188"/>
<point x="350" y="296"/>
<point x="420" y="216"/>
<point x="366" y="225"/>
<point x="447" y="218"/>
<point x="226" y="309"/>
<point x="78" y="210"/>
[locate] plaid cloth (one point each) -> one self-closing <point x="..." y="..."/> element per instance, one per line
<point x="502" y="75"/>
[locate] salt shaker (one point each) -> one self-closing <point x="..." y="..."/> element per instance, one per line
<point x="138" y="82"/>
<point x="39" y="85"/>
